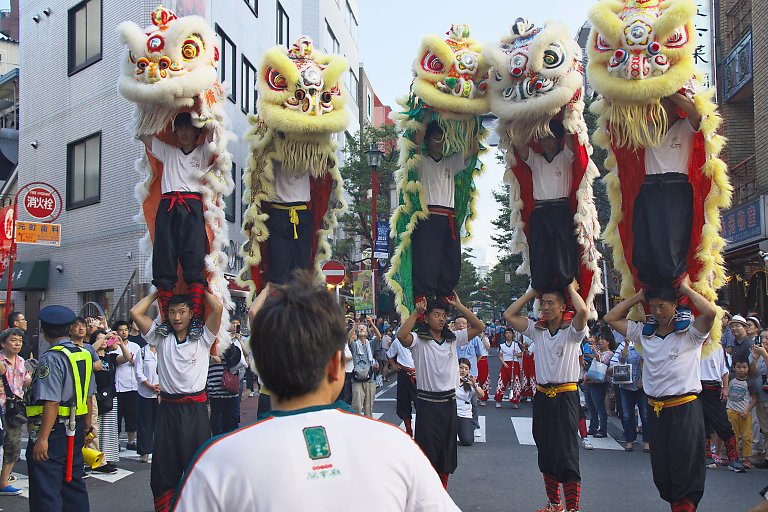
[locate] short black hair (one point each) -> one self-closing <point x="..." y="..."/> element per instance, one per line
<point x="557" y="129"/>
<point x="13" y="317"/>
<point x="740" y="360"/>
<point x="433" y="127"/>
<point x="464" y="360"/>
<point x="435" y="304"/>
<point x="180" y="298"/>
<point x="297" y="331"/>
<point x="55" y="331"/>
<point x="607" y="334"/>
<point x="460" y="316"/>
<point x="663" y="292"/>
<point x="11" y="331"/>
<point x="79" y="320"/>
<point x="95" y="334"/>
<point x="119" y="324"/>
<point x="183" y="119"/>
<point x="557" y="293"/>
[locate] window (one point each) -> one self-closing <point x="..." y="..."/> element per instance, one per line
<point x="84" y="36"/>
<point x="228" y="63"/>
<point x="352" y="85"/>
<point x="254" y="5"/>
<point x="332" y="45"/>
<point x="229" y="201"/>
<point x="249" y="94"/>
<point x="283" y="23"/>
<point x="84" y="171"/>
<point x="351" y="21"/>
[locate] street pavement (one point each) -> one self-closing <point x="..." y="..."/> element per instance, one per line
<point x="498" y="473"/>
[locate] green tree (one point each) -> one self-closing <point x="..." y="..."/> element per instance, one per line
<point x="469" y="282"/>
<point x="356" y="173"/>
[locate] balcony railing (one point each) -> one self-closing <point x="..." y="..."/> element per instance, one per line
<point x="737" y="67"/>
<point x="744" y="178"/>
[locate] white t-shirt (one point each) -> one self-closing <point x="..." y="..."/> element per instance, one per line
<point x="508" y="351"/>
<point x="437" y="178"/>
<point x="481" y="348"/>
<point x="316" y="462"/>
<point x="125" y="377"/>
<point x="436" y="363"/>
<point x="557" y="357"/>
<point x="181" y="367"/>
<point x="181" y="172"/>
<point x="551" y="180"/>
<point x="674" y="153"/>
<point x="402" y="354"/>
<point x="464" y="401"/>
<point x="713" y="367"/>
<point x="145" y="368"/>
<point x="672" y="364"/>
<point x="290" y="187"/>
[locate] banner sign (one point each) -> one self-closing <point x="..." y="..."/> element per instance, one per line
<point x="381" y="246"/>
<point x="362" y="288"/>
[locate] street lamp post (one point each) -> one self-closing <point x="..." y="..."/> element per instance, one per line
<point x="373" y="155"/>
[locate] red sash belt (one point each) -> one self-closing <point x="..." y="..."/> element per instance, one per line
<point x="180" y="199"/>
<point x="448" y="212"/>
<point x="194" y="398"/>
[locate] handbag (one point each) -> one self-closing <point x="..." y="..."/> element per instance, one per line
<point x="597" y="371"/>
<point x="230" y="382"/>
<point x="15" y="409"/>
<point x="622" y="374"/>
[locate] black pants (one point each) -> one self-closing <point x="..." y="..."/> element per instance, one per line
<point x="48" y="492"/>
<point x="223" y="415"/>
<point x="145" y="438"/>
<point x="677" y="451"/>
<point x="662" y="223"/>
<point x="179" y="238"/>
<point x="346" y="392"/>
<point x="128" y="410"/>
<point x="406" y="395"/>
<point x="286" y="253"/>
<point x="436" y="429"/>
<point x="555" y="423"/>
<point x="180" y="430"/>
<point x="436" y="257"/>
<point x="554" y="252"/>
<point x="466" y="431"/>
<point x="264" y="405"/>
<point x="715" y="415"/>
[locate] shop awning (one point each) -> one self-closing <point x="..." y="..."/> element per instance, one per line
<point x="28" y="276"/>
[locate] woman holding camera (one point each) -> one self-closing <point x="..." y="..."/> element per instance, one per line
<point x="112" y="351"/>
<point x="464" y="391"/>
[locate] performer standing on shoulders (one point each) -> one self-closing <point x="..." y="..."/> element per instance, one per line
<point x="671" y="379"/>
<point x="433" y="347"/>
<point x="556" y="404"/>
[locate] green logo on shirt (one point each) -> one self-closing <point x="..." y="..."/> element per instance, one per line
<point x="317" y="443"/>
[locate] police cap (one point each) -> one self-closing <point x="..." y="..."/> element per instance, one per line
<point x="56" y="315"/>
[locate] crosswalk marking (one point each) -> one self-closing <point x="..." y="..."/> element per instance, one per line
<point x="121" y="473"/>
<point x="524" y="432"/>
<point x="378" y="415"/>
<point x="478" y="439"/>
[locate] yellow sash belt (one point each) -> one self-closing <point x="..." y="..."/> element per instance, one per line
<point x="293" y="215"/>
<point x="552" y="391"/>
<point x="658" y="405"/>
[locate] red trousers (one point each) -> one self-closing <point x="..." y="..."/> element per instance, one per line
<point x="509" y="375"/>
<point x="528" y="377"/>
<point x="482" y="377"/>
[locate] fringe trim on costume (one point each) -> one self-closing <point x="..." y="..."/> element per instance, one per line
<point x="637" y="125"/>
<point x="297" y="155"/>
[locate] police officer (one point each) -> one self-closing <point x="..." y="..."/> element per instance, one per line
<point x="61" y="387"/>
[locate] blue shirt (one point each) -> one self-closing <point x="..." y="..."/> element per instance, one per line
<point x="470" y="351"/>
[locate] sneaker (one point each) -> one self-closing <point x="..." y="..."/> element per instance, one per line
<point x="106" y="469"/>
<point x="747" y="463"/>
<point x="600" y="435"/>
<point x="9" y="490"/>
<point x="763" y="464"/>
<point x="251" y="394"/>
<point x="130" y="446"/>
<point x="195" y="329"/>
<point x="498" y="405"/>
<point x="587" y="444"/>
<point x="144" y="458"/>
<point x="710" y="463"/>
<point x="11" y="479"/>
<point x="719" y="460"/>
<point x="482" y="403"/>
<point x="515" y="406"/>
<point x="552" y="507"/>
<point x="736" y="466"/>
<point x="86" y="472"/>
<point x="164" y="329"/>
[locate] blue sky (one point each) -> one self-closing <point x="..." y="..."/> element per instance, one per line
<point x="389" y="37"/>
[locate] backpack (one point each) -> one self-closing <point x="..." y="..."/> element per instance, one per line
<point x="362" y="370"/>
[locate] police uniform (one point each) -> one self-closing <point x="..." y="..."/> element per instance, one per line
<point x="64" y="375"/>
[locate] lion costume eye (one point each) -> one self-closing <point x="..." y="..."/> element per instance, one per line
<point x="431" y="63"/>
<point x="678" y="39"/>
<point x="141" y="65"/>
<point x="553" y="57"/>
<point x="326" y="97"/>
<point x="192" y="47"/>
<point x="275" y="80"/>
<point x="164" y="63"/>
<point x="601" y="44"/>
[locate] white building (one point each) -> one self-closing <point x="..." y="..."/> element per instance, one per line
<point x="76" y="133"/>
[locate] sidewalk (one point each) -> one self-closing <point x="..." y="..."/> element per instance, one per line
<point x="248" y="408"/>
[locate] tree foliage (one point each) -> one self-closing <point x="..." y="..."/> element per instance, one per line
<point x="469" y="282"/>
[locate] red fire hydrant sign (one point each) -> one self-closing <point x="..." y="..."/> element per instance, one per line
<point x="40" y="203"/>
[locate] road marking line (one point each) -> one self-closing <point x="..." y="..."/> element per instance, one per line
<point x="386" y="389"/>
<point x="480" y="419"/>
<point x="378" y="415"/>
<point x="523" y="430"/>
<point x="121" y="473"/>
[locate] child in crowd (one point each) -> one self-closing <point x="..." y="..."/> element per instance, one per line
<point x="742" y="398"/>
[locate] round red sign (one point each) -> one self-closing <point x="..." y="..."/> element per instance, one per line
<point x="40" y="203"/>
<point x="334" y="272"/>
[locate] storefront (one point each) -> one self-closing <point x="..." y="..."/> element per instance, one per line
<point x="746" y="256"/>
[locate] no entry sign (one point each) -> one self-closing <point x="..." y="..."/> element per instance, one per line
<point x="334" y="272"/>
